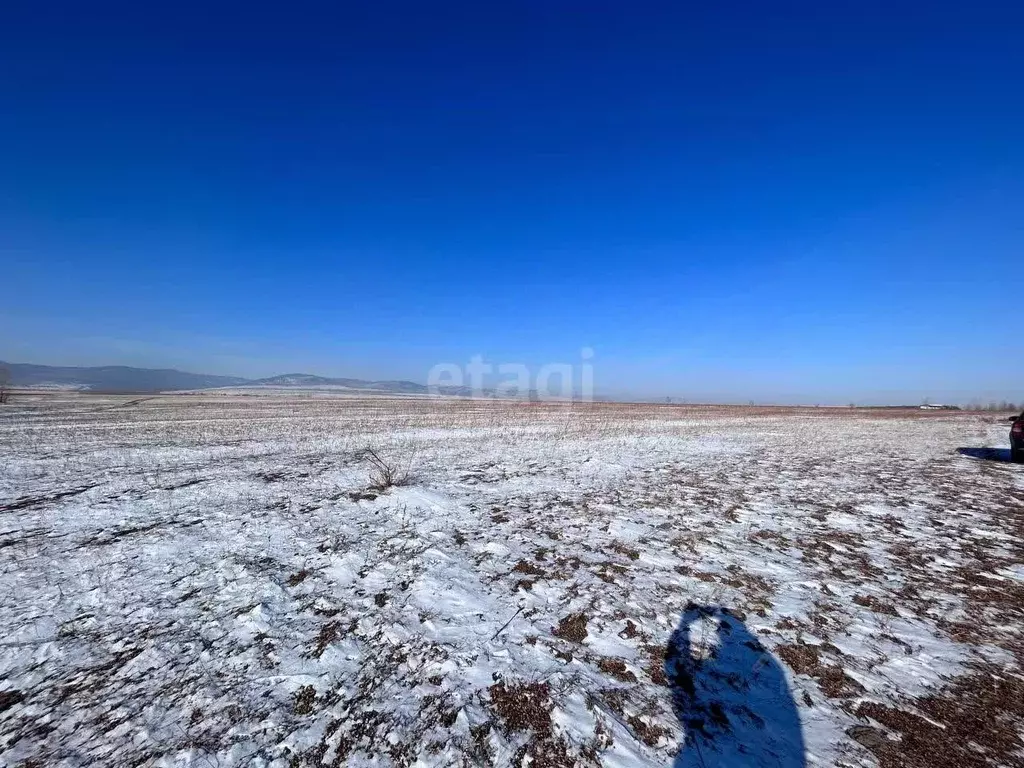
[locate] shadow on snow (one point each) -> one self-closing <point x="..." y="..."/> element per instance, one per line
<point x="986" y="454"/>
<point x="730" y="694"/>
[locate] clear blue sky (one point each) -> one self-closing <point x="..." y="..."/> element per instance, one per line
<point x="772" y="201"/>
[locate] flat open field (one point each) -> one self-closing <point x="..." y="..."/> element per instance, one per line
<point x="212" y="580"/>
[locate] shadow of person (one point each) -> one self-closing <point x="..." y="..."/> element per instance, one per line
<point x="987" y="454"/>
<point x="730" y="694"/>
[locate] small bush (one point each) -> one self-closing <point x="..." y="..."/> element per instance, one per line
<point x="383" y="474"/>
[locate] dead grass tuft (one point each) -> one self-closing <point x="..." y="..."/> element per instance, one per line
<point x="572" y="627"/>
<point x="651" y="735"/>
<point x="522" y="706"/>
<point x="832" y="678"/>
<point x="528" y="568"/>
<point x="304" y="699"/>
<point x="329" y="633"/>
<point x="630" y="631"/>
<point x="876" y="605"/>
<point x="616" y="668"/>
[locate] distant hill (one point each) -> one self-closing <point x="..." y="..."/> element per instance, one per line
<point x="113" y="378"/>
<point x="119" y="378"/>
<point x="309" y="381"/>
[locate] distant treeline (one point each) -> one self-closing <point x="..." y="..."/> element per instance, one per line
<point x="1003" y="406"/>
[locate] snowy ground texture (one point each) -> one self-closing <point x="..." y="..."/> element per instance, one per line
<point x="212" y="581"/>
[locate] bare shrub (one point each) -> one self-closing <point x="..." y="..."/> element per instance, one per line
<point x="5" y="385"/>
<point x="384" y="474"/>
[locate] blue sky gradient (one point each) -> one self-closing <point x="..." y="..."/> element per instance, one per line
<point x="813" y="202"/>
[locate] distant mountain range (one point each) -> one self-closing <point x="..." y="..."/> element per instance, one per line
<point x="309" y="381"/>
<point x="119" y="378"/>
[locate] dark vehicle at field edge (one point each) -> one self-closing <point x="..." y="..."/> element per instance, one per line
<point x="1017" y="439"/>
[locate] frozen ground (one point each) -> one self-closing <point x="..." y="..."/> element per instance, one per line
<point x="211" y="581"/>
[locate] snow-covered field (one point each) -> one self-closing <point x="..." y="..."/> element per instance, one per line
<point x="211" y="580"/>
